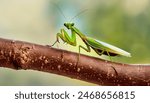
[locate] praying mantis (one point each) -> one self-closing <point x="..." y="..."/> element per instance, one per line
<point x="100" y="47"/>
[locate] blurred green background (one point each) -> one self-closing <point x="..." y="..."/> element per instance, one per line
<point x="123" y="23"/>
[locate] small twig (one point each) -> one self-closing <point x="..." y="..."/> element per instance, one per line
<point x="22" y="55"/>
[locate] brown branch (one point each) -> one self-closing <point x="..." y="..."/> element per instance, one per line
<point x="22" y="55"/>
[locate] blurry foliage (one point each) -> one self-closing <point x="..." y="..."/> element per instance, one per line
<point x="123" y="23"/>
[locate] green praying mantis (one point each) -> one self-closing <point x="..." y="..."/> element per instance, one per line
<point x="100" y="47"/>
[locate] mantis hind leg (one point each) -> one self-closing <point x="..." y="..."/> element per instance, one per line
<point x="109" y="56"/>
<point x="112" y="66"/>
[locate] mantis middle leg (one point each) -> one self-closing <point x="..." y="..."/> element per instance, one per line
<point x="86" y="49"/>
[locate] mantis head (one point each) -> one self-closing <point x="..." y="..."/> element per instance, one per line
<point x="68" y="25"/>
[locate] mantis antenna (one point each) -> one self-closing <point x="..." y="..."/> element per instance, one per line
<point x="59" y="9"/>
<point x="78" y="14"/>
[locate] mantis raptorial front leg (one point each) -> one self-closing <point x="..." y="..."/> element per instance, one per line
<point x="63" y="35"/>
<point x="57" y="38"/>
<point x="59" y="35"/>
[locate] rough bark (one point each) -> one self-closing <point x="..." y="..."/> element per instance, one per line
<point x="22" y="55"/>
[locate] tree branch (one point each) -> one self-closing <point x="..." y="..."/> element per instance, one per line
<point x="22" y="55"/>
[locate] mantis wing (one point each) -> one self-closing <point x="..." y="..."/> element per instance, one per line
<point x="96" y="44"/>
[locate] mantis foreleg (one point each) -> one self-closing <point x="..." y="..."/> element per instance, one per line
<point x="63" y="35"/>
<point x="57" y="38"/>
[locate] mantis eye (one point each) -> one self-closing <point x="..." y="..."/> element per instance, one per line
<point x="72" y="24"/>
<point x="64" y="24"/>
